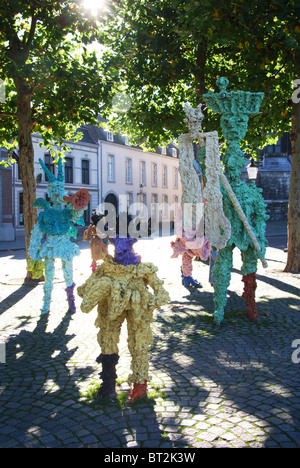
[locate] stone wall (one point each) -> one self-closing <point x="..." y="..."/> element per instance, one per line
<point x="275" y="186"/>
<point x="274" y="180"/>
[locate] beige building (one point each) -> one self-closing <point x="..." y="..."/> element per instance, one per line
<point x="114" y="172"/>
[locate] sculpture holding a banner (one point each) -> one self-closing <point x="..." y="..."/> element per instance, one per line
<point x="234" y="212"/>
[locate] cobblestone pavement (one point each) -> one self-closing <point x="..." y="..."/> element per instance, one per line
<point x="237" y="385"/>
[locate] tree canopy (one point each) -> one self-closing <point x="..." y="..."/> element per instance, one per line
<point x="164" y="53"/>
<point x="44" y="53"/>
<point x="52" y="80"/>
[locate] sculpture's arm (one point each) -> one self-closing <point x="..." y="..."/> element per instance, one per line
<point x="76" y="215"/>
<point x="41" y="203"/>
<point x="93" y="292"/>
<point x="87" y="233"/>
<point x="161" y="296"/>
<point x="259" y="248"/>
<point x="35" y="242"/>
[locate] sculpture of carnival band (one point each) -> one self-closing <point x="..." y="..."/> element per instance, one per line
<point x="50" y="237"/>
<point x="119" y="289"/>
<point x="234" y="212"/>
<point x="243" y="204"/>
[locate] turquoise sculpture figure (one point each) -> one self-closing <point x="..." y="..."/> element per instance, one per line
<point x="250" y="217"/>
<point x="50" y="237"/>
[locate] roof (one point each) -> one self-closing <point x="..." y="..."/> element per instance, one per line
<point x="95" y="133"/>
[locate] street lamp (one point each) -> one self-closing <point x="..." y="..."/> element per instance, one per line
<point x="252" y="170"/>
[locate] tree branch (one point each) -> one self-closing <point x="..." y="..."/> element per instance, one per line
<point x="31" y="35"/>
<point x="8" y="114"/>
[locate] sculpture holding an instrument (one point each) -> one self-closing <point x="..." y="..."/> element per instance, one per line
<point x="50" y="238"/>
<point x="123" y="288"/>
<point x="234" y="213"/>
<point x="190" y="240"/>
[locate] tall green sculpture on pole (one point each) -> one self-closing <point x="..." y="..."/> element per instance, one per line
<point x="243" y="204"/>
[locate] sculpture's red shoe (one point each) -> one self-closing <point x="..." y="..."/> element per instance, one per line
<point x="249" y="295"/>
<point x="138" y="391"/>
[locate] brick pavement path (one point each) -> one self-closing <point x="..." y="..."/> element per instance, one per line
<point x="230" y="386"/>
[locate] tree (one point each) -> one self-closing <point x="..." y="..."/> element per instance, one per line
<point x="271" y="34"/>
<point x="53" y="83"/>
<point x="164" y="53"/>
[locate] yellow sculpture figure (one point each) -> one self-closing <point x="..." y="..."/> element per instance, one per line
<point x="119" y="288"/>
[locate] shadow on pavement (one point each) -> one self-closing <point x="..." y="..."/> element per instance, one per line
<point x="281" y="285"/>
<point x="16" y="296"/>
<point x="37" y="363"/>
<point x="41" y="403"/>
<point x="242" y="367"/>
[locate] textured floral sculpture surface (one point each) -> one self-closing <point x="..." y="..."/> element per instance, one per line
<point x="119" y="288"/>
<point x="190" y="239"/>
<point x="50" y="237"/>
<point x="235" y="108"/>
<point x="98" y="246"/>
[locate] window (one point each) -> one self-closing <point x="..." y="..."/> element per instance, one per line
<point x="69" y="171"/>
<point x="174" y="152"/>
<point x="110" y="168"/>
<point x="165" y="176"/>
<point x="175" y="177"/>
<point x="154" y="208"/>
<point x="128" y="171"/>
<point x="142" y="173"/>
<point x="87" y="215"/>
<point x="50" y="165"/>
<point x="129" y="196"/>
<point x="175" y="206"/>
<point x="85" y="171"/>
<point x="274" y="150"/>
<point x="154" y="175"/>
<point x="127" y="141"/>
<point x="165" y="206"/>
<point x="164" y="150"/>
<point x="21" y="218"/>
<point x="143" y="204"/>
<point x="110" y="136"/>
<point x="286" y="148"/>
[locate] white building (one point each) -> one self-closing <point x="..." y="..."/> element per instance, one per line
<point x="113" y="172"/>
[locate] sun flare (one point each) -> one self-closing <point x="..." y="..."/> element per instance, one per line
<point x="93" y="6"/>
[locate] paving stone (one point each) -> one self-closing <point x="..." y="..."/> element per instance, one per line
<point x="231" y="386"/>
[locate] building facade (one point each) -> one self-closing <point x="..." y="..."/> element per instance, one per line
<point x="114" y="173"/>
<point x="125" y="177"/>
<point x="144" y="183"/>
<point x="273" y="177"/>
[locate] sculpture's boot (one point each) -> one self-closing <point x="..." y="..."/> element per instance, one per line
<point x="46" y="304"/>
<point x="94" y="267"/>
<point x="189" y="281"/>
<point x="249" y="295"/>
<point x="71" y="298"/>
<point x="138" y="391"/>
<point x="108" y="375"/>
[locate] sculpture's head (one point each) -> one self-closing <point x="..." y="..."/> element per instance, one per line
<point x="193" y="118"/>
<point x="235" y="108"/>
<point x="56" y="187"/>
<point x="234" y="126"/>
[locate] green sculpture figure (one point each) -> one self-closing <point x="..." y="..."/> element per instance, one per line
<point x="243" y="204"/>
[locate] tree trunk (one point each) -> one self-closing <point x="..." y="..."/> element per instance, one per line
<point x="26" y="162"/>
<point x="293" y="257"/>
